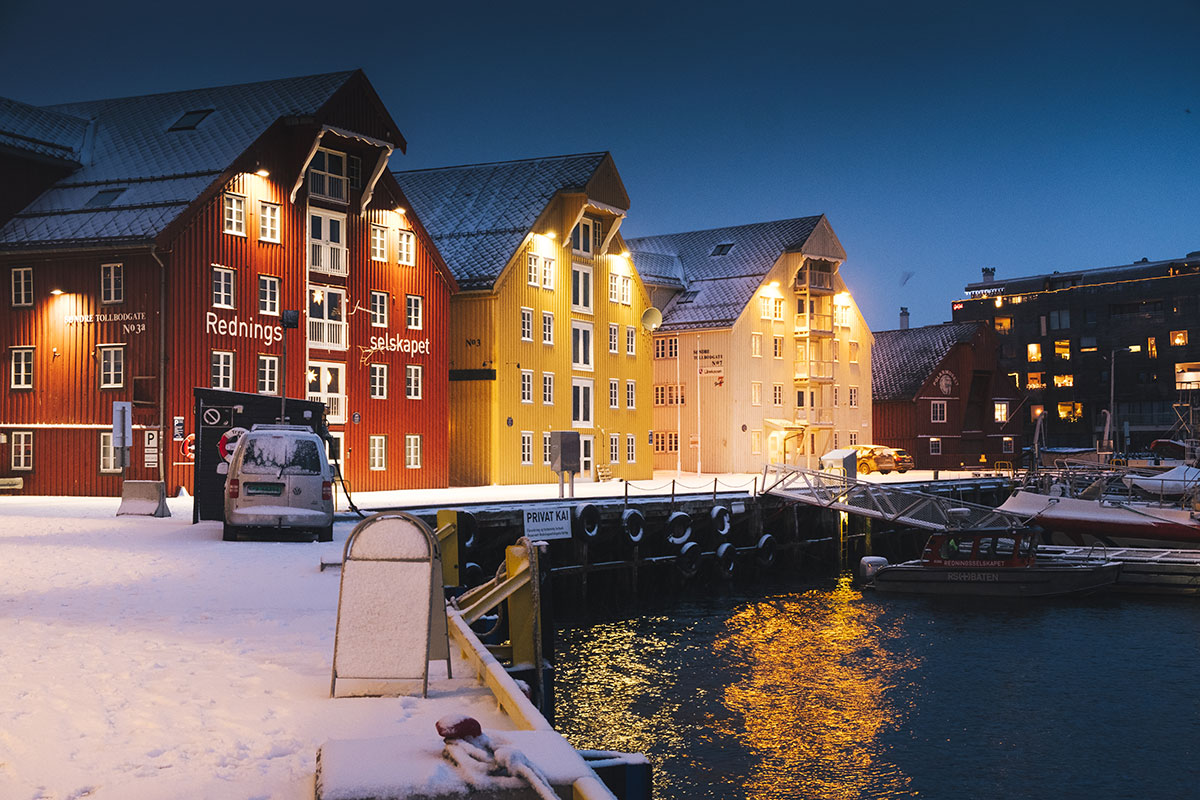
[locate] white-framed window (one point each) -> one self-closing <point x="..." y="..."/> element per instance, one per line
<point x="547" y="273"/>
<point x="414" y="381"/>
<point x="587" y="236"/>
<point x="614" y="448"/>
<point x="412" y="451"/>
<point x="108" y="454"/>
<point x="777" y="394"/>
<point x="581" y="288"/>
<point x="527" y="448"/>
<point x="614" y="287"/>
<point x="379" y="309"/>
<point x="614" y="393"/>
<point x="326" y="317"/>
<point x="835" y="397"/>
<point x="268" y="295"/>
<point x="327" y="242"/>
<point x="666" y="346"/>
<point x="533" y="270"/>
<point x="112" y="366"/>
<point x="234" y="214"/>
<point x="1000" y="411"/>
<point x="581" y="345"/>
<point x="222" y="369"/>
<point x="614" y="337"/>
<point x="268" y="222"/>
<point x="756" y="345"/>
<point x="547" y="327"/>
<point x="22" y="286"/>
<point x="853" y="397"/>
<point x="630" y="393"/>
<point x="414" y="312"/>
<point x="626" y="290"/>
<point x="630" y="448"/>
<point x="268" y="374"/>
<point x="547" y="388"/>
<point x="777" y="346"/>
<point x="937" y="411"/>
<point x="835" y="440"/>
<point x="112" y="283"/>
<point x="376" y="452"/>
<point x="755" y="442"/>
<point x="222" y="288"/>
<point x="756" y="393"/>
<point x="526" y="324"/>
<point x="21" y="371"/>
<point x="526" y="386"/>
<point x="327" y="175"/>
<point x="547" y="449"/>
<point x="935" y="446"/>
<point x="378" y="243"/>
<point x="630" y="340"/>
<point x="408" y="249"/>
<point x="581" y="402"/>
<point x="765" y="307"/>
<point x="852" y="438"/>
<point x="22" y="450"/>
<point x="1006" y="444"/>
<point x="377" y="381"/>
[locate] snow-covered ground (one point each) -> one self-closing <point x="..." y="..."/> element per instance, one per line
<point x="145" y="658"/>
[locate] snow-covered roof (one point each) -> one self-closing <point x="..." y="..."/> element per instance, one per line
<point x="902" y="360"/>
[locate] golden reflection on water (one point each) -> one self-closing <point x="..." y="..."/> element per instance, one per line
<point x="812" y="699"/>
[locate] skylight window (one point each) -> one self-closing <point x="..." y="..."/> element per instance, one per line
<point x="190" y="120"/>
<point x="689" y="296"/>
<point x="103" y="198"/>
<point x="722" y="249"/>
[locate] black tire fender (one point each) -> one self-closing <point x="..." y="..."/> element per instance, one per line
<point x="726" y="560"/>
<point x="634" y="522"/>
<point x="722" y="521"/>
<point x="766" y="551"/>
<point x="585" y="522"/>
<point x="679" y="528"/>
<point x="688" y="560"/>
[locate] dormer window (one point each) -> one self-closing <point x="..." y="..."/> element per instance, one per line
<point x="722" y="249"/>
<point x="588" y="236"/>
<point x="190" y="120"/>
<point x="327" y="175"/>
<point x="103" y="198"/>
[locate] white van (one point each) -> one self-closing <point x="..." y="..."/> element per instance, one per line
<point x="279" y="478"/>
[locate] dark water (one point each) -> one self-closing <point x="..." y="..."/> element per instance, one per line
<point x="820" y="691"/>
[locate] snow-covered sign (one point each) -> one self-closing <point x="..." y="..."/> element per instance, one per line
<point x="548" y="523"/>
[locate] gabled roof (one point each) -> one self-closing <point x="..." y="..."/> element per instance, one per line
<point x="41" y="132"/>
<point x="161" y="170"/>
<point x="902" y="360"/>
<point x="723" y="283"/>
<point x="479" y="214"/>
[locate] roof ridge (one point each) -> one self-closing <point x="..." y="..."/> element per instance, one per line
<point x="497" y="163"/>
<point x="54" y="106"/>
<point x="727" y="227"/>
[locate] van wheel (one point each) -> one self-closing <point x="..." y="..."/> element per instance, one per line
<point x="864" y="468"/>
<point x="325" y="534"/>
<point x="229" y="533"/>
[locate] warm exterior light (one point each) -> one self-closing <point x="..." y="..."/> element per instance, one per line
<point x="318" y="295"/>
<point x="56" y="292"/>
<point x="999" y="302"/>
<point x="841" y="299"/>
<point x="774" y="284"/>
<point x="1135" y="348"/>
<point x="401" y="210"/>
<point x="262" y="172"/>
<point x="551" y="235"/>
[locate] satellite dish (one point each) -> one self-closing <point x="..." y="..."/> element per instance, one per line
<point x="651" y="319"/>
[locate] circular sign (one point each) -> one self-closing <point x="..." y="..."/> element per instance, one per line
<point x="212" y="416"/>
<point x="187" y="447"/>
<point x="356" y="418"/>
<point x="228" y="441"/>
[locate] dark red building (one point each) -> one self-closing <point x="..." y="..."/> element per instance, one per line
<point x="936" y="393"/>
<point x="152" y="245"/>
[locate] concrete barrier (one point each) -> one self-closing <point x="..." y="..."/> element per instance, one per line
<point x="144" y="498"/>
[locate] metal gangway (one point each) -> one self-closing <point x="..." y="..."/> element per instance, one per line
<point x="902" y="506"/>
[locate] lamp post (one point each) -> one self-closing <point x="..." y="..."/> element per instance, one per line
<point x="287" y="320"/>
<point x="1112" y="387"/>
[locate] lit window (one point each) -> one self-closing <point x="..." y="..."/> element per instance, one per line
<point x="935" y="446"/>
<point x="268" y="222"/>
<point x="414" y="380"/>
<point x="581" y="402"/>
<point x="547" y="327"/>
<point x="22" y="286"/>
<point x="1061" y="381"/>
<point x="1002" y="325"/>
<point x="21" y="375"/>
<point x="1151" y="348"/>
<point x="379" y="309"/>
<point x="378" y="243"/>
<point x="526" y="386"/>
<point x="1071" y="412"/>
<point x="756" y="345"/>
<point x="547" y="273"/>
<point x="1062" y="349"/>
<point x="581" y="345"/>
<point x="268" y="295"/>
<point x="108" y="454"/>
<point x="526" y="324"/>
<point x="412" y="451"/>
<point x="22" y="450"/>
<point x="222" y="287"/>
<point x="268" y="374"/>
<point x="630" y="448"/>
<point x="755" y="442"/>
<point x="376" y="452"/>
<point x="614" y="393"/>
<point x="614" y="337"/>
<point x="1179" y="338"/>
<point x="631" y="394"/>
<point x="235" y="214"/>
<point x="755" y="393"/>
<point x="581" y="288"/>
<point x="1000" y="412"/>
<point x="937" y="410"/>
<point x="414" y="312"/>
<point x="533" y="270"/>
<point x="112" y="283"/>
<point x="408" y="249"/>
<point x="1006" y="444"/>
<point x="527" y="447"/>
<point x="378" y="381"/>
<point x="1036" y="381"/>
<point x="222" y="369"/>
<point x="547" y="388"/>
<point x="327" y="175"/>
<point x="1034" y="352"/>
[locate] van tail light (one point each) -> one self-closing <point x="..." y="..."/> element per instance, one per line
<point x="326" y="490"/>
<point x="235" y="487"/>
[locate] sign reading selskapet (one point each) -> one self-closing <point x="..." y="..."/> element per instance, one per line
<point x="548" y="523"/>
<point x="398" y="343"/>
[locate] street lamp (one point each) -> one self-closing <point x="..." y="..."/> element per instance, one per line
<point x="288" y="320"/>
<point x="1112" y="385"/>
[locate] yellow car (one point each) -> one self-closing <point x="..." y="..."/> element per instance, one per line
<point x="874" y="458"/>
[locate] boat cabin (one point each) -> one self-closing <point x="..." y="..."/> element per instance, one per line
<point x="974" y="549"/>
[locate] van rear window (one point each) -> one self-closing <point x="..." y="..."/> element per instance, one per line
<point x="281" y="455"/>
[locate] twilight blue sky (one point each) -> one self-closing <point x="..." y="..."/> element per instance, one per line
<point x="938" y="137"/>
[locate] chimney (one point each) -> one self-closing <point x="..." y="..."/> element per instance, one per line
<point x="903" y="318"/>
<point x="989" y="274"/>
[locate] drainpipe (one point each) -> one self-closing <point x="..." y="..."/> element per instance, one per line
<point x="162" y="365"/>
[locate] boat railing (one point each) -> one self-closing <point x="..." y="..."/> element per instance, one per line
<point x="1089" y="480"/>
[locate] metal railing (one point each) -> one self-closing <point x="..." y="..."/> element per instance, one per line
<point x="814" y="323"/>
<point x="335" y="405"/>
<point x="814" y="370"/>
<point x="329" y="259"/>
<point x="327" y="333"/>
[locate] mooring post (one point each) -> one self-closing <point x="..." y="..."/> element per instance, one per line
<point x="672" y="494"/>
<point x="714" y="491"/>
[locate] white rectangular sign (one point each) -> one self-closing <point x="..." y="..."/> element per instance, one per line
<point x="548" y="523"/>
<point x="150" y="451"/>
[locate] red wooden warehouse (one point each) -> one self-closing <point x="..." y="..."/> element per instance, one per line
<point x="152" y="245"/>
